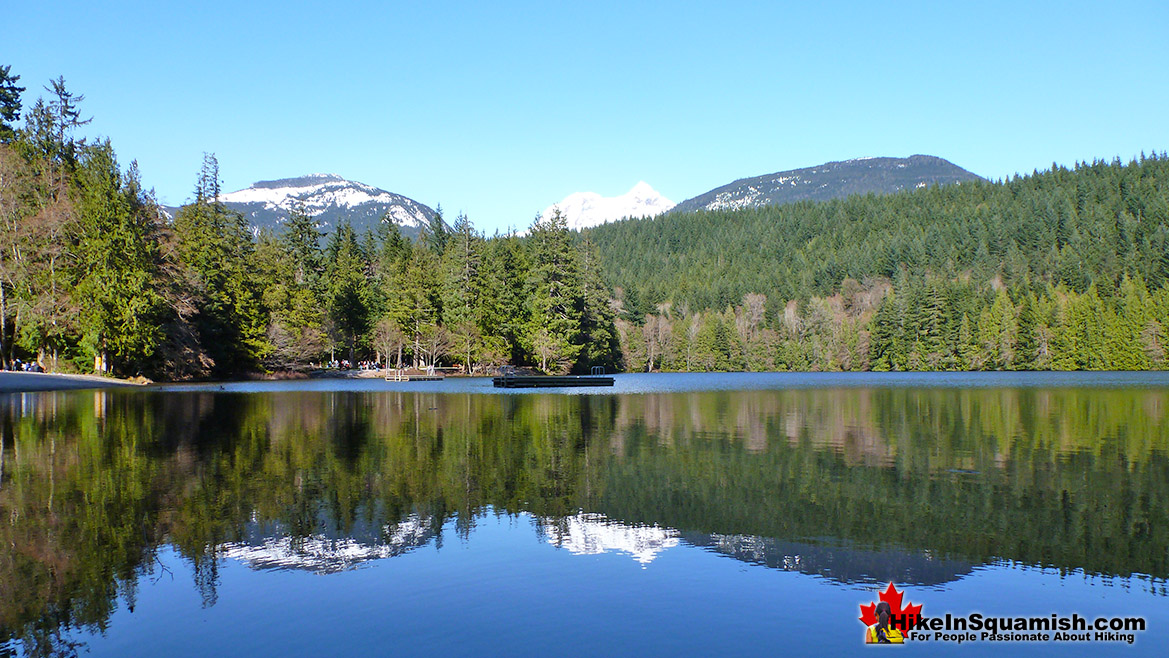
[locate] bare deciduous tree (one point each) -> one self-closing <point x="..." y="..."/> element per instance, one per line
<point x="434" y="342"/>
<point x="390" y="339"/>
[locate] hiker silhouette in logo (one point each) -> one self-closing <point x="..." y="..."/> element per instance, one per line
<point x="883" y="632"/>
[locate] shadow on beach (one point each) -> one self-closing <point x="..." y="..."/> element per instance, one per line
<point x="18" y="382"/>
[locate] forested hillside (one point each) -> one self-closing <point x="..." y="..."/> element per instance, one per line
<point x="1061" y="269"/>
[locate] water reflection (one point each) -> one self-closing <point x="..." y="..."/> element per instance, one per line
<point x="271" y="546"/>
<point x="855" y="485"/>
<point x="593" y="534"/>
<point x="838" y="563"/>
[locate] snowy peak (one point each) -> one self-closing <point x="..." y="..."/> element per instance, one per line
<point x="643" y="191"/>
<point x="315" y="191"/>
<point x="328" y="197"/>
<point x="585" y="209"/>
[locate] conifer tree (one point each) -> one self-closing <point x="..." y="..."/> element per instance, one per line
<point x="998" y="329"/>
<point x="302" y="240"/>
<point x="1126" y="325"/>
<point x="420" y="296"/>
<point x="287" y="268"/>
<point x="9" y="103"/>
<point x="64" y="106"/>
<point x="601" y="346"/>
<point x="555" y="295"/>
<point x="346" y="290"/>
<point x="389" y="261"/>
<point x="216" y="244"/>
<point x="117" y="258"/>
<point x="461" y="289"/>
<point x="393" y="247"/>
<point x="1029" y="333"/>
<point x="503" y="316"/>
<point x="435" y="233"/>
<point x="886" y="353"/>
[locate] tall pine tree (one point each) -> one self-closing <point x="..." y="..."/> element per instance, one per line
<point x="555" y="297"/>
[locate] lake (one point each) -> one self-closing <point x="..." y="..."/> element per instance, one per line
<point x="684" y="514"/>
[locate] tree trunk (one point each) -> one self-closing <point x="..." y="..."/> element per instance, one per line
<point x="3" y="328"/>
<point x="11" y="356"/>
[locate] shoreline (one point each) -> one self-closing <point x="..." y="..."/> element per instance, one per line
<point x="26" y="382"/>
<point x="30" y="382"/>
<point x="33" y="382"/>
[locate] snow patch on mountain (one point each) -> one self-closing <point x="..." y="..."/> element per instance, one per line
<point x="321" y="194"/>
<point x="586" y="209"/>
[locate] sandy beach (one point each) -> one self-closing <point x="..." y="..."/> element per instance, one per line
<point x="17" y="382"/>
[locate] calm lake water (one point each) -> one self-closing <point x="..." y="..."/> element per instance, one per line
<point x="684" y="514"/>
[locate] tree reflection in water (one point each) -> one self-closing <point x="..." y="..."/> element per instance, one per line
<point x="858" y="484"/>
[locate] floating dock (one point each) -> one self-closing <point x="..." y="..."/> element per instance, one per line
<point x="401" y="376"/>
<point x="543" y="381"/>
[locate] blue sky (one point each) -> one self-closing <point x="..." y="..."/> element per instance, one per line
<point x="499" y="110"/>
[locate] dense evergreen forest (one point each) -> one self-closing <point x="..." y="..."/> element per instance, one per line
<point x="1065" y="269"/>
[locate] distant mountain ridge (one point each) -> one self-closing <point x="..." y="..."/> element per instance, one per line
<point x="831" y="180"/>
<point x="328" y="197"/>
<point x="333" y="199"/>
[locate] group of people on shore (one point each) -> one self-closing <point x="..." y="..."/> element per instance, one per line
<point x="19" y="366"/>
<point x="344" y="364"/>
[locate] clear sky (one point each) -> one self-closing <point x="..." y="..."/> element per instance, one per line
<point x="500" y="109"/>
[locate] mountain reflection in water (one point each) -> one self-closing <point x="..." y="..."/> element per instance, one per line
<point x="867" y="485"/>
<point x="273" y="547"/>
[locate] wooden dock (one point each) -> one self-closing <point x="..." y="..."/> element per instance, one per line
<point x="402" y="376"/>
<point x="542" y="381"/>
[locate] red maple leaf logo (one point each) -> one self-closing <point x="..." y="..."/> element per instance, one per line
<point x="893" y="598"/>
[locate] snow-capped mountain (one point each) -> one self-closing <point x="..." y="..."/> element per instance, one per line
<point x="585" y="209"/>
<point x="831" y="180"/>
<point x="328" y="197"/>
